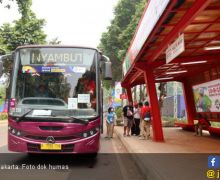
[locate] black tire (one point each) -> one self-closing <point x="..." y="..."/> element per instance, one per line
<point x="92" y="155"/>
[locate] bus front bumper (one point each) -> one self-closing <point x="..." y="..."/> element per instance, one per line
<point x="84" y="145"/>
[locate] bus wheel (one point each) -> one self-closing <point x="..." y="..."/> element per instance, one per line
<point x="92" y="155"/>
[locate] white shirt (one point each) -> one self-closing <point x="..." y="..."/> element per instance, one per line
<point x="136" y="113"/>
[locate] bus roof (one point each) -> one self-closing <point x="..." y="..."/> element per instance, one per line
<point x="55" y="46"/>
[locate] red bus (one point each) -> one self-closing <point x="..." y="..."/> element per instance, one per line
<point x="55" y="103"/>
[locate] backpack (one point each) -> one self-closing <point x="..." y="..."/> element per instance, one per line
<point x="147" y="116"/>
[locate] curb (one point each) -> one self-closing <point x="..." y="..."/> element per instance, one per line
<point x="138" y="162"/>
<point x="164" y="167"/>
<point x="147" y="169"/>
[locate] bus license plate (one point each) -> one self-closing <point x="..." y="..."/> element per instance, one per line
<point x="48" y="146"/>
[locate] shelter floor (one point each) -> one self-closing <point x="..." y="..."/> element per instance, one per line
<point x="176" y="141"/>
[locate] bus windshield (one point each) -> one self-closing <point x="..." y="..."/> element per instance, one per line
<point x="55" y="82"/>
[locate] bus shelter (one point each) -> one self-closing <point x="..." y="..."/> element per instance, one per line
<point x="177" y="40"/>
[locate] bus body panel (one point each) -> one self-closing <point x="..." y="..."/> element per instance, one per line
<point x="68" y="137"/>
<point x="87" y="145"/>
<point x="29" y="75"/>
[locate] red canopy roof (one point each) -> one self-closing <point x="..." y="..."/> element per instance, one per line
<point x="198" y="21"/>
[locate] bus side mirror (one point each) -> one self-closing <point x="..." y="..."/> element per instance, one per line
<point x="107" y="68"/>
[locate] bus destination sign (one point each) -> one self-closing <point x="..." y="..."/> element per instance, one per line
<point x="56" y="58"/>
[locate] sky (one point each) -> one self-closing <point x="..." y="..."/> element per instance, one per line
<point x="73" y="22"/>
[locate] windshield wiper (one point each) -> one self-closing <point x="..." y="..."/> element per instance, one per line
<point x="18" y="119"/>
<point x="73" y="119"/>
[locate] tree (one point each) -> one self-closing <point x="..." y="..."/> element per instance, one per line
<point x="26" y="30"/>
<point x="126" y="36"/>
<point x="115" y="42"/>
<point x="3" y="48"/>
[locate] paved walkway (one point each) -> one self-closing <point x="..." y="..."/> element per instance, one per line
<point x="3" y="121"/>
<point x="176" y="141"/>
<point x="182" y="156"/>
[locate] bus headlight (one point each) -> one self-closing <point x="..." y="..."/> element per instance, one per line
<point x="85" y="134"/>
<point x="89" y="133"/>
<point x="15" y="131"/>
<point x="18" y="133"/>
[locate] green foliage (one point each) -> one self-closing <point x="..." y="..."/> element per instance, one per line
<point x="118" y="112"/>
<point x="27" y="30"/>
<point x="24" y="8"/>
<point x="180" y="120"/>
<point x="170" y="121"/>
<point x="215" y="124"/>
<point x="106" y="94"/>
<point x="126" y="36"/>
<point x="3" y="116"/>
<point x="3" y="47"/>
<point x="2" y="93"/>
<point x="115" y="42"/>
<point x="23" y="32"/>
<point x="107" y="84"/>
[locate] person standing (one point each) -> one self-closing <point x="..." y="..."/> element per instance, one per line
<point x="135" y="129"/>
<point x="146" y="121"/>
<point x="115" y="119"/>
<point x="110" y="121"/>
<point x="140" y="105"/>
<point x="128" y="118"/>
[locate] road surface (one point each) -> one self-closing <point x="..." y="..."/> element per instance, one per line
<point x="112" y="163"/>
